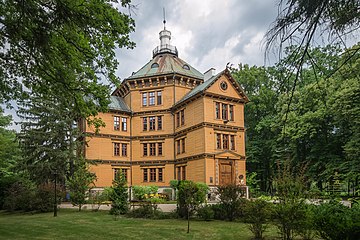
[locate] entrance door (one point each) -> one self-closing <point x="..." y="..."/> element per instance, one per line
<point x="226" y="173"/>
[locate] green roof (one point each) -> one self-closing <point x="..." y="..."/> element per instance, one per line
<point x="166" y="63"/>
<point x="118" y="104"/>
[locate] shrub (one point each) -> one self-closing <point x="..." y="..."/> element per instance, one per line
<point x="288" y="216"/>
<point x="335" y="221"/>
<point x="21" y="195"/>
<point x="257" y="214"/>
<point x="97" y="198"/>
<point x="143" y="192"/>
<point x="231" y="201"/>
<point x="45" y="197"/>
<point x="219" y="211"/>
<point x="205" y="212"/>
<point x="146" y="210"/>
<point x="305" y="228"/>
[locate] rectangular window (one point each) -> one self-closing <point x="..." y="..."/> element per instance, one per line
<point x="160" y="174"/>
<point x="124" y="173"/>
<point x="182" y="117"/>
<point x="152" y="174"/>
<point x="179" y="173"/>
<point x="183" y="173"/>
<point x="145" y="149"/>
<point x="224" y="111"/>
<point x="124" y="149"/>
<point x="116" y="172"/>
<point x="159" y="98"/>
<point x="231" y="112"/>
<point x="144" y="124"/>
<point x="160" y="150"/>
<point x="225" y="141"/>
<point x="159" y="123"/>
<point x="183" y="145"/>
<point x="178" y="146"/>
<point x="178" y="119"/>
<point x="116" y="123"/>
<point x="152" y="149"/>
<point x="232" y="142"/>
<point x="145" y="175"/>
<point x="151" y="123"/>
<point x="116" y="149"/>
<point x="151" y="98"/>
<point x="218" y="141"/>
<point x="217" y="110"/>
<point x="124" y="124"/>
<point x="144" y="99"/>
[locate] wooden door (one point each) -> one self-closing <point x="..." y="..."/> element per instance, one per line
<point x="226" y="173"/>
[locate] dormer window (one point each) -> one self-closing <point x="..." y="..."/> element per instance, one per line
<point x="186" y="67"/>
<point x="154" y="65"/>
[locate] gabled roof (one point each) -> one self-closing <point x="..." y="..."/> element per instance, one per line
<point x="167" y="63"/>
<point x="118" y="104"/>
<point x="202" y="87"/>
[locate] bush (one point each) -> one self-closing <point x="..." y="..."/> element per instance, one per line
<point x="231" y="201"/>
<point x="97" y="198"/>
<point x="288" y="217"/>
<point x="335" y="221"/>
<point x="305" y="228"/>
<point x="219" y="211"/>
<point x="257" y="214"/>
<point x="146" y="210"/>
<point x="205" y="212"/>
<point x="21" y="195"/>
<point x="143" y="192"/>
<point x="26" y="196"/>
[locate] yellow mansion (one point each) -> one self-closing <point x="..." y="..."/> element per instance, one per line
<point x="169" y="121"/>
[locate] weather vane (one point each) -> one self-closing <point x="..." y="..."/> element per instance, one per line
<point x="164" y="18"/>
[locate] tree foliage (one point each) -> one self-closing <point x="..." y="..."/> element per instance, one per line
<point x="316" y="125"/>
<point x="79" y="184"/>
<point x="118" y="195"/>
<point x="61" y="45"/>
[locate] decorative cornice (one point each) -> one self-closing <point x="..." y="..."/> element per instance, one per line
<point x="152" y="112"/>
<point x="224" y="98"/>
<point x="112" y="136"/>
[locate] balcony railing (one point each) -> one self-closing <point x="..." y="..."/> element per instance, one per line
<point x="167" y="48"/>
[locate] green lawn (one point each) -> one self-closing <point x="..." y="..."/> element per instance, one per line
<point x="71" y="224"/>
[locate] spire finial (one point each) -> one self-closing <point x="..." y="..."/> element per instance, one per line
<point x="164" y="18"/>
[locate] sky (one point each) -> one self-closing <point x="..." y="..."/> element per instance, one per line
<point x="207" y="33"/>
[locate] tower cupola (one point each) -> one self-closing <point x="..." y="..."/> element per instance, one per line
<point x="165" y="46"/>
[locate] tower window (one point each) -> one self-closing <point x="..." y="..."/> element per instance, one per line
<point x="154" y="65"/>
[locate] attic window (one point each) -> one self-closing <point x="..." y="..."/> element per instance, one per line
<point x="154" y="65"/>
<point x="186" y="67"/>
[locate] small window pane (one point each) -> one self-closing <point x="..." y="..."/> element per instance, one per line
<point x="151" y="98"/>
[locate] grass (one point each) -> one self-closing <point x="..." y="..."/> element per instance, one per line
<point x="71" y="224"/>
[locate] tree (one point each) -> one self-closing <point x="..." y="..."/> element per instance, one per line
<point x="190" y="196"/>
<point x="79" y="185"/>
<point x="64" y="46"/>
<point x="299" y="22"/>
<point x="10" y="155"/>
<point x="118" y="195"/>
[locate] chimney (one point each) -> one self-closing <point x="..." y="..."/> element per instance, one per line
<point x="209" y="73"/>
